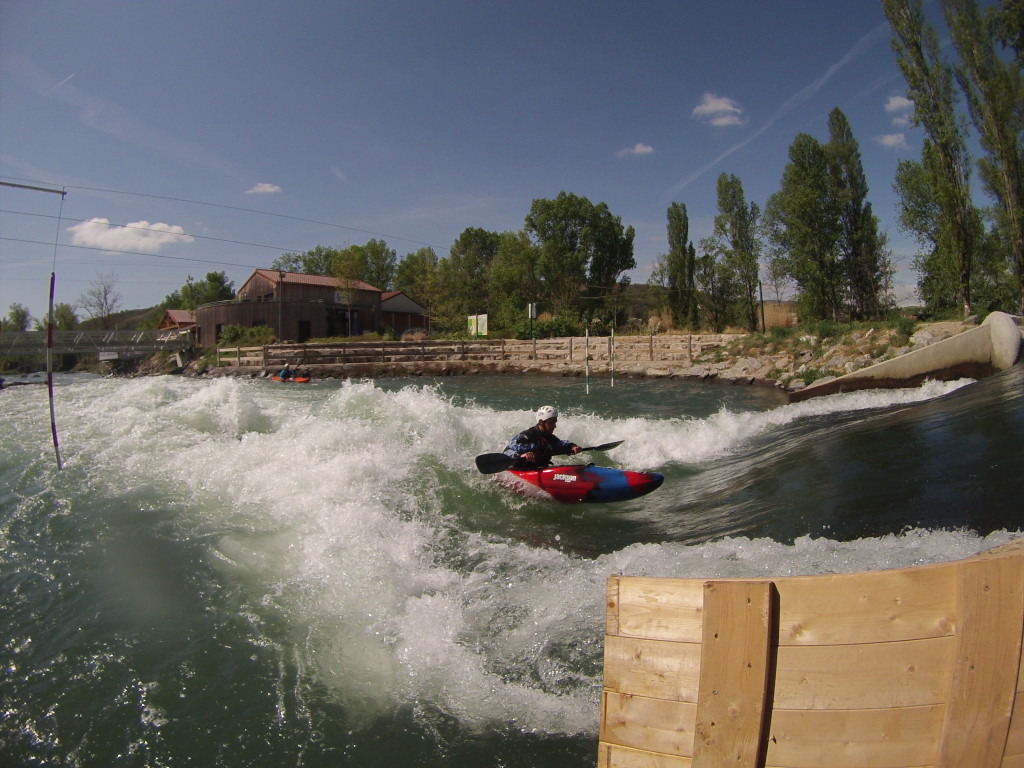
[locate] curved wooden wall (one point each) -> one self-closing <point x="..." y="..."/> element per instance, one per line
<point x="888" y="669"/>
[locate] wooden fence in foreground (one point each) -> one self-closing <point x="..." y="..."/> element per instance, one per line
<point x="574" y="350"/>
<point x="912" y="667"/>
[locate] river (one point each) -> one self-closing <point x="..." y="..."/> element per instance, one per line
<point x="233" y="572"/>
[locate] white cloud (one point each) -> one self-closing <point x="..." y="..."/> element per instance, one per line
<point x="892" y="140"/>
<point x="900" y="107"/>
<point x="638" y="149"/>
<point x="880" y="32"/>
<point x="137" y="236"/>
<point x="263" y="188"/>
<point x="718" y="110"/>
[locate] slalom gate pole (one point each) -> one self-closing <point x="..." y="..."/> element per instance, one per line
<point x="611" y="353"/>
<point x="587" y="357"/>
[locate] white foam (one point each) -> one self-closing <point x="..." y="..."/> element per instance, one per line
<point x="318" y="506"/>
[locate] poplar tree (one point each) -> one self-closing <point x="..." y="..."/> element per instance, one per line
<point x="930" y="86"/>
<point x="736" y="227"/>
<point x="675" y="270"/>
<point x="921" y="216"/>
<point x="802" y="222"/>
<point x="994" y="89"/>
<point x="862" y="248"/>
<point x="716" y="281"/>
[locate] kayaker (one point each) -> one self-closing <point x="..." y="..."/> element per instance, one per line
<point x="535" y="446"/>
<point x="286" y="372"/>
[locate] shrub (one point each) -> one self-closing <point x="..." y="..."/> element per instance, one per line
<point x="782" y="333"/>
<point x="904" y="326"/>
<point x="240" y="336"/>
<point x="827" y="329"/>
<point x="553" y="328"/>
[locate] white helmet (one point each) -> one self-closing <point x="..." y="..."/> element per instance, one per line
<point x="546" y="412"/>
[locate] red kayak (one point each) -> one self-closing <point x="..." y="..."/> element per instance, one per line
<point x="581" y="483"/>
<point x="296" y="380"/>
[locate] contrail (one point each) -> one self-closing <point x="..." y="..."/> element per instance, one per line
<point x="58" y="85"/>
<point x="802" y="95"/>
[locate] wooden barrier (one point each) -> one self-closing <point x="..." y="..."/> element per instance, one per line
<point x="911" y="667"/>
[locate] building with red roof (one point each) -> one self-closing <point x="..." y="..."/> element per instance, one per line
<point x="300" y="307"/>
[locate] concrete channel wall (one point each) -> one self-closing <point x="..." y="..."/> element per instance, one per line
<point x="601" y="352"/>
<point x="991" y="347"/>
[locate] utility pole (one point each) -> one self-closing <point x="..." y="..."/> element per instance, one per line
<point x="280" y="305"/>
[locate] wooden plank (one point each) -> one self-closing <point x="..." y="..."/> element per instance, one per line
<point x="875" y="738"/>
<point x="990" y="610"/>
<point x="661" y="609"/>
<point x="879" y="606"/>
<point x="737" y="636"/>
<point x="654" y="668"/>
<point x="878" y="738"/>
<point x="651" y="725"/>
<point x="611" y="615"/>
<point x="1015" y="738"/>
<point x="614" y="756"/>
<point x="863" y="676"/>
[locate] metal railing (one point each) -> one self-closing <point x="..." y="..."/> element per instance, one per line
<point x="124" y="343"/>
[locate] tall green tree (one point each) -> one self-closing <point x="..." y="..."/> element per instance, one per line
<point x="319" y="260"/>
<point x="716" y="281"/>
<point x="994" y="89"/>
<point x="802" y="222"/>
<point x="584" y="251"/>
<point x="675" y="270"/>
<point x="416" y="274"/>
<point x="18" y="318"/>
<point x="373" y="263"/>
<point x="381" y="262"/>
<point x="736" y="228"/>
<point x="462" y="278"/>
<point x="921" y="216"/>
<point x="215" y="287"/>
<point x="862" y="247"/>
<point x="930" y="86"/>
<point x="513" y="282"/>
<point x="1008" y="22"/>
<point x="64" y="317"/>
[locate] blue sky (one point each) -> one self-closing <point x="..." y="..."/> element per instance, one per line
<point x="235" y="131"/>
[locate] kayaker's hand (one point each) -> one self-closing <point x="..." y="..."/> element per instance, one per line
<point x="575" y="449"/>
<point x="528" y="456"/>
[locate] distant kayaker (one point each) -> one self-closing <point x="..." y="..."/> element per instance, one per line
<point x="535" y="446"/>
<point x="286" y="372"/>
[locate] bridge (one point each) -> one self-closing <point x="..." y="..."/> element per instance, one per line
<point x="108" y="345"/>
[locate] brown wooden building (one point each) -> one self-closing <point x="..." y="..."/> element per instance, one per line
<point x="177" y="320"/>
<point x="401" y="313"/>
<point x="297" y="307"/>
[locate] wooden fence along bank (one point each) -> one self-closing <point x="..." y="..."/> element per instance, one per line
<point x="576" y="352"/>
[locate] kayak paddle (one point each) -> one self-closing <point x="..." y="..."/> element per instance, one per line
<point x="489" y="463"/>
